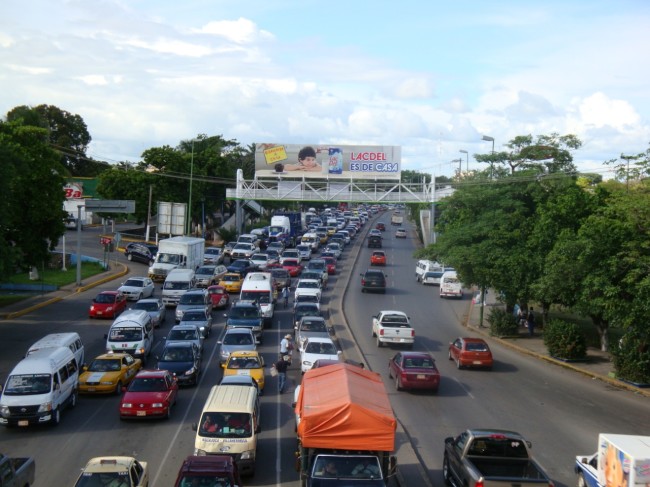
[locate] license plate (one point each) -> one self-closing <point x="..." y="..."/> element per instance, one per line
<point x="91" y="389"/>
<point x="243" y="372"/>
<point x="402" y="339"/>
<point x="141" y="413"/>
<point x="100" y="312"/>
<point x="422" y="376"/>
<point x="23" y="422"/>
<point x="478" y="362"/>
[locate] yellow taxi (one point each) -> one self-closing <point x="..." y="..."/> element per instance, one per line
<point x="246" y="363"/>
<point x="331" y="230"/>
<point x="232" y="282"/>
<point x="108" y="372"/>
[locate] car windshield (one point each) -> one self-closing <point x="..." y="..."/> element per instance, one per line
<point x="225" y="425"/>
<point x="307" y="298"/>
<point x="105" y="298"/>
<point x="192" y="299"/>
<point x="205" y="270"/>
<point x="18" y="385"/>
<point x="194" y="316"/>
<point x="308" y="284"/>
<point x="169" y="258"/>
<point x="213" y="251"/>
<point x="243" y="363"/>
<point x="238" y="339"/>
<point x="105" y="365"/>
<point x="244" y="313"/>
<point x="151" y="306"/>
<point x="418" y="363"/>
<point x="321" y="348"/>
<point x="242" y="246"/>
<point x="148" y="384"/>
<point x="177" y="354"/>
<point x="176" y="285"/>
<point x="313" y="326"/>
<point x="231" y="278"/>
<point x="183" y="335"/>
<point x="130" y="334"/>
<point x="94" y="479"/>
<point x="134" y="283"/>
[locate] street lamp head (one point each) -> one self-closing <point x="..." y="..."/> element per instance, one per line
<point x="488" y="138"/>
<point x="463" y="151"/>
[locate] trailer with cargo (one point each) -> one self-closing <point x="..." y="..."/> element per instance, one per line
<point x="177" y="253"/>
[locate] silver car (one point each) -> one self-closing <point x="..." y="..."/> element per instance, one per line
<point x="185" y="333"/>
<point x="199" y="317"/>
<point x="236" y="340"/>
<point x="209" y="275"/>
<point x="155" y="308"/>
<point x="193" y="299"/>
<point x="213" y="255"/>
<point x="310" y="327"/>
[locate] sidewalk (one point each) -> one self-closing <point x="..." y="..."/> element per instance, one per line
<point x="28" y="305"/>
<point x="598" y="364"/>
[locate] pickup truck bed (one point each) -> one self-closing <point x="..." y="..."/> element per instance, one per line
<point x="497" y="469"/>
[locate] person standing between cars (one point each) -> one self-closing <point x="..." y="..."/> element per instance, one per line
<point x="281" y="366"/>
<point x="286" y="347"/>
<point x="530" y="322"/>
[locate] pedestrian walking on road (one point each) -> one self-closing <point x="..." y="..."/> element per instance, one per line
<point x="530" y="322"/>
<point x="285" y="296"/>
<point x="281" y="366"/>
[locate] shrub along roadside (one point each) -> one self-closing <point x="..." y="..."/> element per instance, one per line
<point x="565" y="340"/>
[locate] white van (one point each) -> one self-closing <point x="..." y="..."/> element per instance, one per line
<point x="311" y="239"/>
<point x="131" y="332"/>
<point x="177" y="282"/>
<point x="71" y="340"/>
<point x="39" y="387"/>
<point x="229" y="424"/>
<point x="260" y="287"/>
<point x="450" y="285"/>
<point x="424" y="266"/>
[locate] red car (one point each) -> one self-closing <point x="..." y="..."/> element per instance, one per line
<point x="293" y="266"/>
<point x="414" y="370"/>
<point x="219" y="296"/>
<point x="107" y="304"/>
<point x="330" y="262"/>
<point x="378" y="257"/>
<point x="470" y="352"/>
<point x="151" y="394"/>
<point x="381" y="226"/>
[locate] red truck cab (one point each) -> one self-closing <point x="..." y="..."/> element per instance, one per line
<point x="208" y="470"/>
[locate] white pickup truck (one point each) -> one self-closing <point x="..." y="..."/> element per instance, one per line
<point x="393" y="327"/>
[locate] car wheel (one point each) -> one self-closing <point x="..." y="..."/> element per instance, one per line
<point x="169" y="412"/>
<point x="129" y="257"/>
<point x="390" y="375"/>
<point x="445" y="471"/>
<point x="363" y="290"/>
<point x="379" y="343"/>
<point x="118" y="388"/>
<point x="139" y="297"/>
<point x="398" y="386"/>
<point x="56" y="416"/>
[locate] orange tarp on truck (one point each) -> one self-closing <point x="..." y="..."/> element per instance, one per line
<point x="344" y="407"/>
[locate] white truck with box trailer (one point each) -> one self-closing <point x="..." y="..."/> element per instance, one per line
<point x="177" y="253"/>
<point x="620" y="460"/>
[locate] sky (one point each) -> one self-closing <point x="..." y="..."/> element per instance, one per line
<point x="431" y="76"/>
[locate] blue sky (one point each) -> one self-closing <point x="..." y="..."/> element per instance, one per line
<point x="430" y="76"/>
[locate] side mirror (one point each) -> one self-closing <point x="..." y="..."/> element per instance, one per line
<point x="105" y="336"/>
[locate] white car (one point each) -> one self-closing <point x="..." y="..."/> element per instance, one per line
<point x="213" y="255"/>
<point x="335" y="249"/>
<point x="291" y="254"/>
<point x="317" y="349"/>
<point x="136" y="288"/>
<point x="305" y="251"/>
<point x="244" y="251"/>
<point x="308" y="287"/>
<point x="261" y="260"/>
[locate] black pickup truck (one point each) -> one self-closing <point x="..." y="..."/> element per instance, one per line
<point x="491" y="458"/>
<point x="16" y="472"/>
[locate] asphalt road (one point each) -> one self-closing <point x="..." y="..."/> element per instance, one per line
<point x="560" y="411"/>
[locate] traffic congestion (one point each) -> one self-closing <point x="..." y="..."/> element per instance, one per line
<point x="200" y="374"/>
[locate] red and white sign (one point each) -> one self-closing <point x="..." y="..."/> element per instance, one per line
<point x="73" y="191"/>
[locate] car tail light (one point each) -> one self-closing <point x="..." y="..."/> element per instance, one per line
<point x="479" y="483"/>
<point x="412" y="333"/>
<point x="381" y="332"/>
<point x="363" y="282"/>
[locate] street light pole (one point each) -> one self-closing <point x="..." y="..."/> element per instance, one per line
<point x="627" y="177"/>
<point x="490" y="139"/>
<point x="460" y="165"/>
<point x="466" y="155"/>
<point x="189" y="205"/>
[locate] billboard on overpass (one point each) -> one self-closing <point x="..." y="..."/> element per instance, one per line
<point x="328" y="161"/>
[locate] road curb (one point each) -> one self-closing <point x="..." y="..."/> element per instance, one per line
<point x="567" y="365"/>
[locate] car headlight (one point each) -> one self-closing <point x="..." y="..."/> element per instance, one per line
<point x="248" y="455"/>
<point x="46" y="406"/>
<point x="157" y="405"/>
<point x="4" y="410"/>
<point x="191" y="371"/>
<point x="199" y="453"/>
<point x="127" y="405"/>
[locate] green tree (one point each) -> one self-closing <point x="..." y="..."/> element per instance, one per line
<point x="33" y="196"/>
